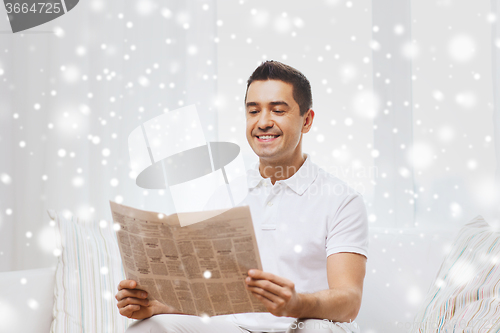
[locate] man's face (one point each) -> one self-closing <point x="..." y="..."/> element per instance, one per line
<point x="272" y="111"/>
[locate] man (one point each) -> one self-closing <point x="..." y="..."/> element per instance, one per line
<point x="311" y="228"/>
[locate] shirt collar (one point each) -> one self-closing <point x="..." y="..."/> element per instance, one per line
<point x="299" y="182"/>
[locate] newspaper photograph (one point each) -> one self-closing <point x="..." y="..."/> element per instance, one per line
<point x="199" y="268"/>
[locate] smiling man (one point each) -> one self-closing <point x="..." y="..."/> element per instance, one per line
<point x="311" y="227"/>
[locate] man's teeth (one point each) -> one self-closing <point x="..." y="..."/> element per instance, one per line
<point x="268" y="137"/>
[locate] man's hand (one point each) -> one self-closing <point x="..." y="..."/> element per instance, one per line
<point x="134" y="303"/>
<point x="276" y="293"/>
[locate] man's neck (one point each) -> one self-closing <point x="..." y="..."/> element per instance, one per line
<point x="281" y="170"/>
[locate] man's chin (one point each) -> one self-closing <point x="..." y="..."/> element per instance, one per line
<point x="269" y="157"/>
<point x="265" y="153"/>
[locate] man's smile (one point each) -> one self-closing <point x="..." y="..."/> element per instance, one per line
<point x="267" y="138"/>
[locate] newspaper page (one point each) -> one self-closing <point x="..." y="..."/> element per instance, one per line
<point x="198" y="269"/>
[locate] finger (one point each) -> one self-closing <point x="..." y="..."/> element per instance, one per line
<point x="270" y="296"/>
<point x="267" y="303"/>
<point x="131" y="300"/>
<point x="266" y="285"/>
<point x="127" y="284"/>
<point x="137" y="293"/>
<point x="261" y="275"/>
<point x="129" y="310"/>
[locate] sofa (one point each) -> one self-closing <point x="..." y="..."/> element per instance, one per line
<point x="415" y="282"/>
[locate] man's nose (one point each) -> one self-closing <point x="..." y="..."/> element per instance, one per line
<point x="265" y="120"/>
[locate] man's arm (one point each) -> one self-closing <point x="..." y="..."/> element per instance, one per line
<point x="346" y="272"/>
<point x="341" y="302"/>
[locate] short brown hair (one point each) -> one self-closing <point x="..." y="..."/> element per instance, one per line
<point x="275" y="70"/>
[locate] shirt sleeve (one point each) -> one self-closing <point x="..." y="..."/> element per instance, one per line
<point x="348" y="229"/>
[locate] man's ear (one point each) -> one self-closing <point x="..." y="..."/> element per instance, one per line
<point x="308" y="121"/>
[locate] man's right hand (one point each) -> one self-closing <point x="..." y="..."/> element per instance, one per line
<point x="134" y="303"/>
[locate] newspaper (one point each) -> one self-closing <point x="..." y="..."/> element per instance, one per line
<point x="198" y="269"/>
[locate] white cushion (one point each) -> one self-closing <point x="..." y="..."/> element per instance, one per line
<point x="88" y="272"/>
<point x="466" y="293"/>
<point x="26" y="294"/>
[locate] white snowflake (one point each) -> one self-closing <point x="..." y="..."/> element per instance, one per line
<point x="145" y="7"/>
<point x="420" y="155"/>
<point x="5" y="178"/>
<point x="466" y="99"/>
<point x="414" y="295"/>
<point x="462" y="48"/>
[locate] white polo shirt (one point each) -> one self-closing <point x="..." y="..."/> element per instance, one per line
<point x="298" y="223"/>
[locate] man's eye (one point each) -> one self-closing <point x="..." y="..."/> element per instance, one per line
<point x="252" y="112"/>
<point x="277" y="111"/>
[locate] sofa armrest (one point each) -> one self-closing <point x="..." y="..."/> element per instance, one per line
<point x="26" y="300"/>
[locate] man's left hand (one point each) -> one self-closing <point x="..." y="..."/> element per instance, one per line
<point x="276" y="293"/>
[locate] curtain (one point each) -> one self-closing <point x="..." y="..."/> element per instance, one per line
<point x="455" y="99"/>
<point x="495" y="5"/>
<point x="395" y="185"/>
